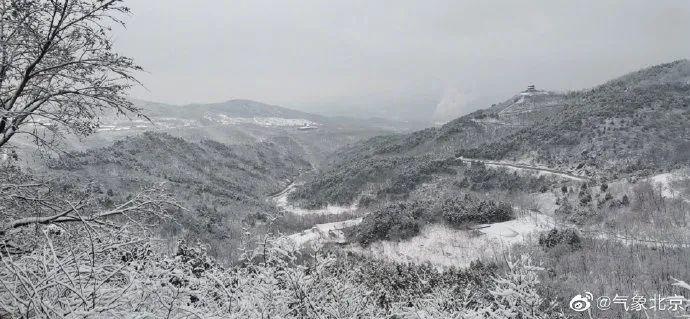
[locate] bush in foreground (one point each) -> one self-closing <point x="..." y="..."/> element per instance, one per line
<point x="568" y="237"/>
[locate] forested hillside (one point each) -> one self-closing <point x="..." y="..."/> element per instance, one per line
<point x="636" y="124"/>
<point x="633" y="125"/>
<point x="222" y="187"/>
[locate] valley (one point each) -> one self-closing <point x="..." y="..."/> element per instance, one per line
<point x="339" y="180"/>
<point x="569" y="200"/>
<point x="555" y="178"/>
<point x="404" y="160"/>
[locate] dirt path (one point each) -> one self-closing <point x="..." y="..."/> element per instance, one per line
<point x="281" y="200"/>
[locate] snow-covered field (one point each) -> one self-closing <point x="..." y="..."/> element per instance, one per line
<point x="444" y="246"/>
<point x="281" y="200"/>
<point x="319" y="235"/>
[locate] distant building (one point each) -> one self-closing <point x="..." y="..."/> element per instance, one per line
<point x="530" y="88"/>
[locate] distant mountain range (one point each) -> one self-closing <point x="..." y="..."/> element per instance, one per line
<point x="234" y="122"/>
<point x="239" y="112"/>
<point x="634" y="125"/>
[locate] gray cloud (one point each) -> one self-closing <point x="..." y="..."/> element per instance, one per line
<point x="395" y="58"/>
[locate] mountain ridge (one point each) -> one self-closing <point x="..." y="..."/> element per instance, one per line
<point x="635" y="124"/>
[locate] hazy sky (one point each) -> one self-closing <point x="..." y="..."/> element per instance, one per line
<point x="397" y="58"/>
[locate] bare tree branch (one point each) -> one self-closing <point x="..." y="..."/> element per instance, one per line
<point x="57" y="67"/>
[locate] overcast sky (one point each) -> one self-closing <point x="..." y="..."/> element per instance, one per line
<point x="398" y="58"/>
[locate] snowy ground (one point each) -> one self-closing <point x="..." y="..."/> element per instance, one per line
<point x="281" y="200"/>
<point x="545" y="202"/>
<point x="438" y="244"/>
<point x="443" y="246"/>
<point x="319" y="235"/>
<point x="666" y="182"/>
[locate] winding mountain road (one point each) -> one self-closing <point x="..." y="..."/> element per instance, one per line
<point x="520" y="166"/>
